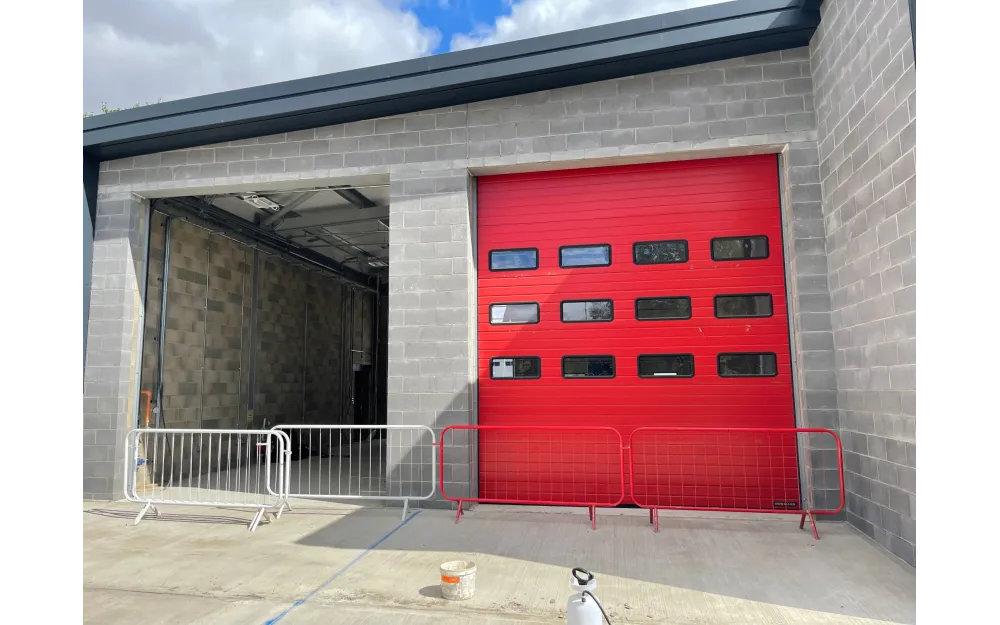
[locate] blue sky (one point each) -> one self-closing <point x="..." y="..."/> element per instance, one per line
<point x="137" y="51"/>
<point x="456" y="17"/>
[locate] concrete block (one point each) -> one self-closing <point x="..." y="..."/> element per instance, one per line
<point x="707" y="77"/>
<point x="659" y="134"/>
<point x="691" y="132"/>
<point x="784" y="105"/>
<point x="766" y="125"/>
<point x="586" y="107"/>
<point x="617" y="137"/>
<point x="730" y="128"/>
<point x="707" y="112"/>
<point x="749" y="73"/>
<point x="375" y="142"/>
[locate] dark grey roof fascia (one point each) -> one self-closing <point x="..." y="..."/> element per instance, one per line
<point x="637" y="46"/>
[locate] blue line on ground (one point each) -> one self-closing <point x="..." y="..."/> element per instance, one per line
<point x="342" y="570"/>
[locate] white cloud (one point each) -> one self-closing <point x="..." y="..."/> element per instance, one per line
<point x="532" y="18"/>
<point x="142" y="50"/>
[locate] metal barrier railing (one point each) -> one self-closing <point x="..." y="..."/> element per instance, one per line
<point x="367" y="462"/>
<point x="535" y="465"/>
<point x="668" y="468"/>
<point x="731" y="470"/>
<point x="218" y="468"/>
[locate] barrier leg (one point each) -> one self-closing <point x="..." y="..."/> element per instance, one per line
<point x="593" y="517"/>
<point x="406" y="508"/>
<point x="802" y="521"/>
<point x="256" y="519"/>
<point x="651" y="515"/>
<point x="142" y="513"/>
<point x="458" y="513"/>
<point x="656" y="519"/>
<point x="812" y="520"/>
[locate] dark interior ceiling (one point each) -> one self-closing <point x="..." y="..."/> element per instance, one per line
<point x="341" y="228"/>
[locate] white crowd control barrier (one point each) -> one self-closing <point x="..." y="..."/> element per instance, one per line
<point x="369" y="462"/>
<point x="218" y="468"/>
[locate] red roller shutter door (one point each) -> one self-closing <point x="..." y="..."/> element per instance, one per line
<point x="692" y="201"/>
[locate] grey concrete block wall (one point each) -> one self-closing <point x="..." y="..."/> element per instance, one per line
<point x="865" y="84"/>
<point x="109" y="402"/>
<point x="759" y="104"/>
<point x="431" y="311"/>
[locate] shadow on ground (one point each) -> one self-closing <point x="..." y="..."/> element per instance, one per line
<point x="767" y="561"/>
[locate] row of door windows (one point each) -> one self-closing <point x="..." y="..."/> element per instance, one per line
<point x="643" y="253"/>
<point x="738" y="306"/>
<point x="729" y="365"/>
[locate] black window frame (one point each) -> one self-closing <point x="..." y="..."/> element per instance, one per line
<point x="538" y="317"/>
<point x="644" y="299"/>
<point x="638" y="366"/>
<point x="529" y="377"/>
<point x="515" y="249"/>
<point x="687" y="252"/>
<point x="711" y="247"/>
<point x="614" y="367"/>
<point x="569" y="247"/>
<point x="715" y="305"/>
<point x="718" y="364"/>
<point x="562" y="319"/>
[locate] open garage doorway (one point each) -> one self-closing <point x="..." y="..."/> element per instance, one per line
<point x="268" y="308"/>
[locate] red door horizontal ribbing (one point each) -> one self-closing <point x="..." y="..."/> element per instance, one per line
<point x="696" y="201"/>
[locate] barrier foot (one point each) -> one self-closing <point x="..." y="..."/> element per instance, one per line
<point x="656" y="520"/>
<point x="812" y="521"/>
<point x="149" y="506"/>
<point x="281" y="508"/>
<point x="256" y="519"/>
<point x="593" y="517"/>
<point x="406" y="508"/>
<point x="458" y="513"/>
<point x="651" y="516"/>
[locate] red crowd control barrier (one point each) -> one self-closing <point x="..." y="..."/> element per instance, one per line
<point x="535" y="465"/>
<point x="734" y="470"/>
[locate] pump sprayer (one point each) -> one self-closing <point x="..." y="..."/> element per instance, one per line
<point x="583" y="607"/>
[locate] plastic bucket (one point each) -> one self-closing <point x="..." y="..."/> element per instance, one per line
<point x="458" y="580"/>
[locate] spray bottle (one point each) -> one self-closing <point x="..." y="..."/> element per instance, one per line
<point x="583" y="607"/>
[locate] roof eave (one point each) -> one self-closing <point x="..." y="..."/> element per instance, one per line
<point x="640" y="46"/>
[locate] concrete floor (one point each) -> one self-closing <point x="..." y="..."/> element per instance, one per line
<point x="346" y="564"/>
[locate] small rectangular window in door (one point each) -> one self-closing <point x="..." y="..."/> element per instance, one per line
<point x="739" y="248"/>
<point x="739" y="306"/>
<point x="516" y="367"/>
<point x="754" y="365"/>
<point x="585" y="255"/>
<point x="660" y="308"/>
<point x="660" y="252"/>
<point x="503" y="314"/>
<point x="666" y="366"/>
<point x="588" y="366"/>
<point x="587" y="310"/>
<point x="509" y="260"/>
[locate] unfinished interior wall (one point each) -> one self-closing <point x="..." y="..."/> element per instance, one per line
<point x="325" y="364"/>
<point x="295" y="328"/>
<point x="279" y="369"/>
